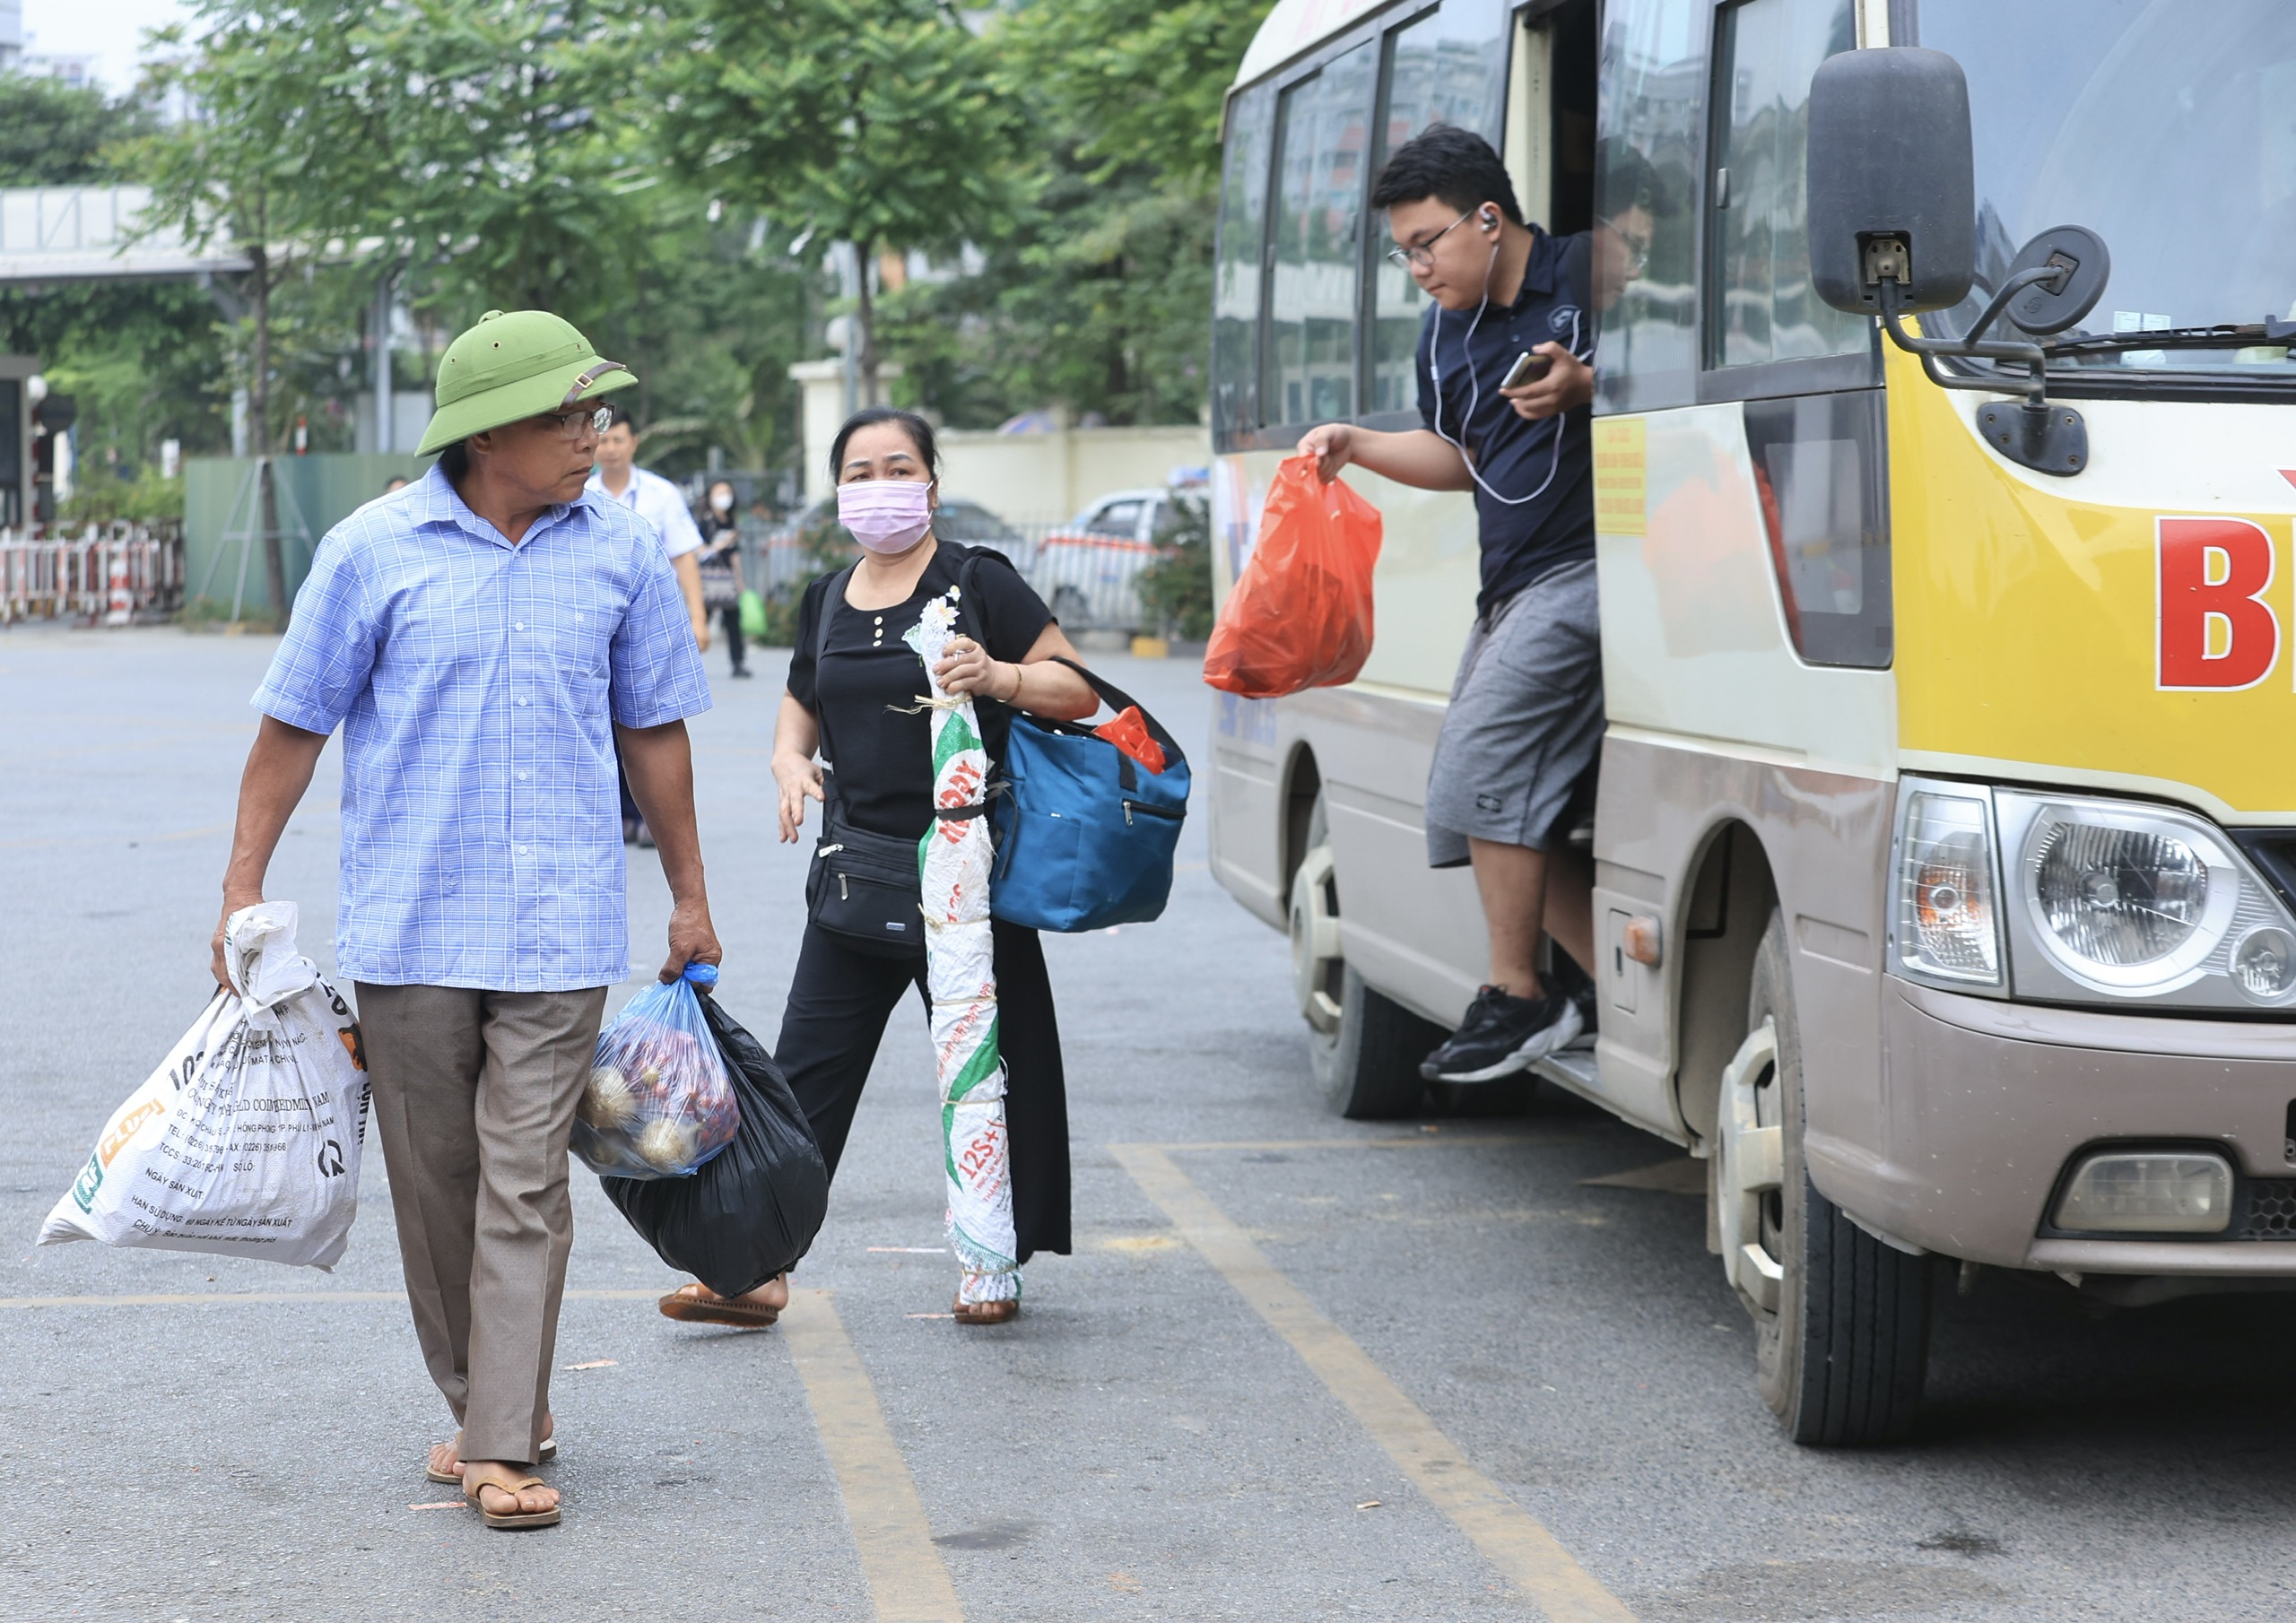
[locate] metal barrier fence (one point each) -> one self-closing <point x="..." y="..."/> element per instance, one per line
<point x="115" y="575"/>
<point x="1089" y="581"/>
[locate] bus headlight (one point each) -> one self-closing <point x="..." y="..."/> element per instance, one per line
<point x="1946" y="925"/>
<point x="2118" y="899"/>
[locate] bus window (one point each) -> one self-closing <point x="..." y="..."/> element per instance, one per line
<point x="1323" y="126"/>
<point x="1235" y="295"/>
<point x="1818" y="472"/>
<point x="1653" y="81"/>
<point x="1448" y="67"/>
<point x="1764" y="307"/>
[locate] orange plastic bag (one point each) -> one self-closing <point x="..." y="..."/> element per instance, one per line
<point x="1300" y="615"/>
<point x="1129" y="733"/>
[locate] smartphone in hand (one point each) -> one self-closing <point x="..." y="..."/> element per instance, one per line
<point x="1528" y="367"/>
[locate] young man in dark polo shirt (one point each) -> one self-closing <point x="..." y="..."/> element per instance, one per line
<point x="1525" y="717"/>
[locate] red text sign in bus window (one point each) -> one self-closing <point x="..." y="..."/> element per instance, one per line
<point x="2216" y="630"/>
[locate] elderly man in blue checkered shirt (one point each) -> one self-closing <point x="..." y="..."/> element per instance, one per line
<point x="483" y="638"/>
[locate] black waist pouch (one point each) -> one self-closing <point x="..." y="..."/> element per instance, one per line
<point x="864" y="888"/>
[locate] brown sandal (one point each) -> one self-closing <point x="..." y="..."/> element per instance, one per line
<point x="987" y="1313"/>
<point x="697" y="1304"/>
<point x="548" y="1452"/>
<point x="511" y="1519"/>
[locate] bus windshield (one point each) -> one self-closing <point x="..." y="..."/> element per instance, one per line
<point x="2165" y="126"/>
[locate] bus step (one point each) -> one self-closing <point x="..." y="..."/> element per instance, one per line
<point x="1573" y="1068"/>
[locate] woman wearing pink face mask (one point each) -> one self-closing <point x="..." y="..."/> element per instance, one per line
<point x="852" y="702"/>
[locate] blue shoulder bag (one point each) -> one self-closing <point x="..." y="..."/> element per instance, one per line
<point x="1084" y="833"/>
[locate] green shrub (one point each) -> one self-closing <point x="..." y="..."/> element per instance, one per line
<point x="1176" y="589"/>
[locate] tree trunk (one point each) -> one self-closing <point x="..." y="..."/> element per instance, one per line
<point x="864" y="318"/>
<point x="275" y="561"/>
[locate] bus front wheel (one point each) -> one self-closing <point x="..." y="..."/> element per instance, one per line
<point x="1842" y="1321"/>
<point x="1365" y="1048"/>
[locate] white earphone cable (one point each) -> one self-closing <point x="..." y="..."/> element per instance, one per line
<point x="1474" y="392"/>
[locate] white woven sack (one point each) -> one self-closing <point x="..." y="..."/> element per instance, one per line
<point x="246" y="1141"/>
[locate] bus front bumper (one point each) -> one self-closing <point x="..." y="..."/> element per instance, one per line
<point x="1984" y="1102"/>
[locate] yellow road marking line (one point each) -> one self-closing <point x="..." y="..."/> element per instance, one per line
<point x="906" y="1580"/>
<point x="1509" y="1538"/>
<point x="228" y="1298"/>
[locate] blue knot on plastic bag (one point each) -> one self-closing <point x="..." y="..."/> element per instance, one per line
<point x="701" y="974"/>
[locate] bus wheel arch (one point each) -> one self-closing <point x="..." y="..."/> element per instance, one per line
<point x="1720" y="927"/>
<point x="1303" y="787"/>
<point x="1311" y="922"/>
<point x="1363" y="1047"/>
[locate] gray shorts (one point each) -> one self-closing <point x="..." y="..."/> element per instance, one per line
<point x="1525" y="721"/>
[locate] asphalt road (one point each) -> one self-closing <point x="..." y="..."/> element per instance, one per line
<point x="1298" y="1368"/>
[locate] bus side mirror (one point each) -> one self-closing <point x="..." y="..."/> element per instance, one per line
<point x="1891" y="184"/>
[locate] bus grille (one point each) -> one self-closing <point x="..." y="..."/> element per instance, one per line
<point x="2267" y="1210"/>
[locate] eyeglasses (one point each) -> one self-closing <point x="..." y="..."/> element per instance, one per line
<point x="1422" y="254"/>
<point x="570" y="424"/>
<point x="569" y="421"/>
<point x="1638" y="248"/>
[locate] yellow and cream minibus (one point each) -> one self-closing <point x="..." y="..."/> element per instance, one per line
<point x="1944" y="459"/>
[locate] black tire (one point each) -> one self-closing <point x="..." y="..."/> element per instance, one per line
<point x="1365" y="1048"/>
<point x="1071" y="608"/>
<point x="1842" y="1359"/>
<point x="1368" y="1068"/>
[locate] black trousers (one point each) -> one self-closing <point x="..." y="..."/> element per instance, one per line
<point x="838" y="1002"/>
<point x="729" y="616"/>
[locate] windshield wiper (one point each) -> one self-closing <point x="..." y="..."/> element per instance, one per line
<point x="2271" y="331"/>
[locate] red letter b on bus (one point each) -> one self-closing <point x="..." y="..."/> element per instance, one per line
<point x="2215" y="629"/>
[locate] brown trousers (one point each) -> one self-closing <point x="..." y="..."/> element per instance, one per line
<point x="475" y="1095"/>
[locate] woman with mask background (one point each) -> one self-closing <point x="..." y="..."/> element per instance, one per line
<point x="858" y="708"/>
<point x="720" y="561"/>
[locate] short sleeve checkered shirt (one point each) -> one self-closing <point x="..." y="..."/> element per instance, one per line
<point x="477" y="684"/>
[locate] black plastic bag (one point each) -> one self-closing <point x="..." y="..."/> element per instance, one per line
<point x="753" y="1208"/>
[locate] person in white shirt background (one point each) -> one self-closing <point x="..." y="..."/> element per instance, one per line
<point x="658" y="502"/>
<point x="661" y="504"/>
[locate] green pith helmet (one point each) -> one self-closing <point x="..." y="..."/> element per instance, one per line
<point x="511" y="365"/>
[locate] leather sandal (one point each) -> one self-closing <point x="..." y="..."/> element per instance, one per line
<point x="511" y="1519"/>
<point x="548" y="1454"/>
<point x="697" y="1304"/>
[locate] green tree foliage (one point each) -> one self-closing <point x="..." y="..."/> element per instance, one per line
<point x="1176" y="587"/>
<point x="53" y="134"/>
<point x="1136" y="82"/>
<point x="135" y="355"/>
<point x="487" y="143"/>
<point x="715" y="319"/>
<point x="877" y="122"/>
<point x="666" y="173"/>
<point x="244" y="171"/>
<point x="1098" y="297"/>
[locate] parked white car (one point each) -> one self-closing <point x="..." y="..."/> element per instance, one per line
<point x="1085" y="569"/>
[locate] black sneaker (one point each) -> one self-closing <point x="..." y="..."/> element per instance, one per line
<point x="742" y="671"/>
<point x="1568" y="980"/>
<point x="1502" y="1035"/>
